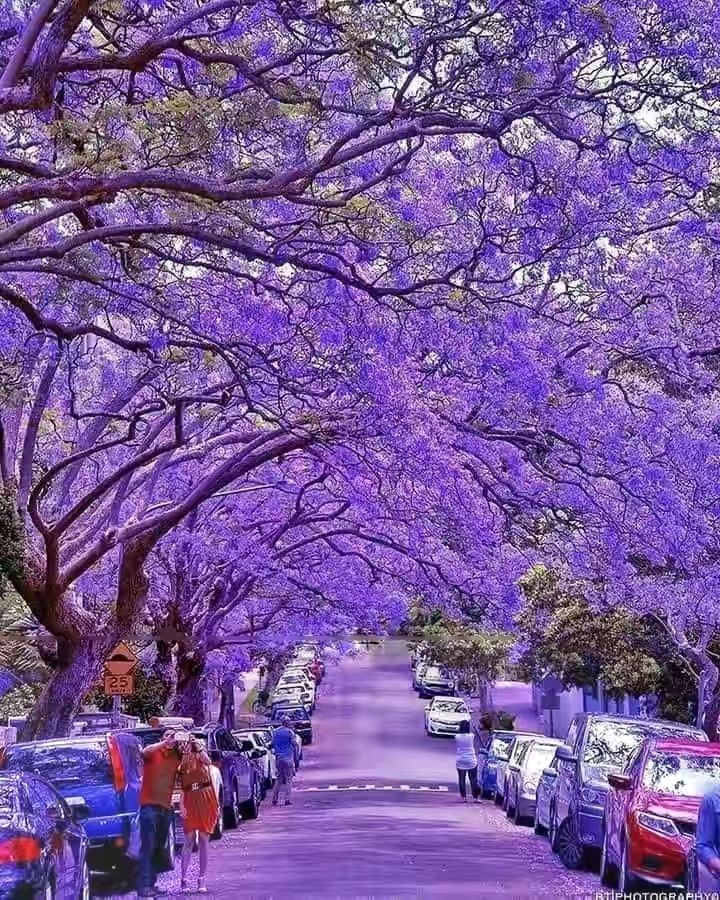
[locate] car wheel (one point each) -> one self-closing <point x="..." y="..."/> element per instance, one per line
<point x="231" y="814"/>
<point x="517" y="817"/>
<point x="569" y="848"/>
<point x="608" y="873"/>
<point x="506" y="801"/>
<point x="84" y="892"/>
<point x="627" y="882"/>
<point x="538" y="827"/>
<point x="250" y="808"/>
<point x="220" y="824"/>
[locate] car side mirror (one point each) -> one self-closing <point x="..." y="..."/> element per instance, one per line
<point x="619" y="782"/>
<point x="565" y="754"/>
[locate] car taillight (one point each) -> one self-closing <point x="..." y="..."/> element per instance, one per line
<point x="20" y="850"/>
<point x="117" y="764"/>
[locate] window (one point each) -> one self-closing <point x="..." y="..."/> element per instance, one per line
<point x="63" y="764"/>
<point x="43" y="797"/>
<point x="573" y="732"/>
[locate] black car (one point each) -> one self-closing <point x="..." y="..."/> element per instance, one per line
<point x="100" y="772"/>
<point x="242" y="785"/>
<point x="299" y="717"/>
<point x="43" y="845"/>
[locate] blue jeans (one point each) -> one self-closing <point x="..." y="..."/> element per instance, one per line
<point x="154" y="827"/>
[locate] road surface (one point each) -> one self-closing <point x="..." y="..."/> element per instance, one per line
<point x="375" y="812"/>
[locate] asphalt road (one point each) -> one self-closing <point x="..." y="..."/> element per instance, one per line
<point x="376" y="814"/>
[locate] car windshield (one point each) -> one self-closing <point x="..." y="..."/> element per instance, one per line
<point x="682" y="773"/>
<point x="539" y="757"/>
<point x="500" y="745"/>
<point x="610" y="744"/>
<point x="292" y="712"/>
<point x="449" y="706"/>
<point x="436" y="672"/>
<point x="62" y="764"/>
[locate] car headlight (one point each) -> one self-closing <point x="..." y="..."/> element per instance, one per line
<point x="658" y="824"/>
<point x="588" y="795"/>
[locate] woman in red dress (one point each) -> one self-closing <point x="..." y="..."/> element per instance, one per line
<point x="199" y="810"/>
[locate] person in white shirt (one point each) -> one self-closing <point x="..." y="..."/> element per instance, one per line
<point x="466" y="761"/>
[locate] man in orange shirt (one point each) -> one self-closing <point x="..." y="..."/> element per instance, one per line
<point x="160" y="767"/>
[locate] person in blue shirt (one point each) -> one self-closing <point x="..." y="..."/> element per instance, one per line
<point x="283" y="744"/>
<point x="708" y="831"/>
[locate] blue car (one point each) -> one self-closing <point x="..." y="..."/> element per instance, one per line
<point x="99" y="772"/>
<point x="496" y="752"/>
<point x="43" y="846"/>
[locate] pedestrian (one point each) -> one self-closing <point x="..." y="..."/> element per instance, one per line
<point x="466" y="761"/>
<point x="283" y="744"/>
<point x="160" y="767"/>
<point x="708" y="832"/>
<point x="199" y="809"/>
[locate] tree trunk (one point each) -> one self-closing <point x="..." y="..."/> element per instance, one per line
<point x="79" y="667"/>
<point x="226" y="715"/>
<point x="163" y="668"/>
<point x="710" y="720"/>
<point x="189" y="697"/>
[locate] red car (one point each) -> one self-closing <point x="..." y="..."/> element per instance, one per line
<point x="651" y="813"/>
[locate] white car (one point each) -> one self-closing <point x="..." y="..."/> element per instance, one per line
<point x="443" y="715"/>
<point x="295" y="693"/>
<point x="297" y="679"/>
<point x="261" y="744"/>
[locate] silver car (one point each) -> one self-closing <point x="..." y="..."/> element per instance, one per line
<point x="502" y="764"/>
<point x="523" y="775"/>
<point x="544" y="795"/>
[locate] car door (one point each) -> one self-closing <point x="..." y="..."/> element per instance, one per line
<point x="60" y="834"/>
<point x="240" y="767"/>
<point x="623" y="802"/>
<point x="567" y="771"/>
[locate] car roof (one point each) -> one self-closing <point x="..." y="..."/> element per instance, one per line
<point x="609" y="717"/>
<point x="84" y="740"/>
<point x="697" y="748"/>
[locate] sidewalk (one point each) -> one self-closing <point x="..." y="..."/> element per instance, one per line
<point x="514" y="697"/>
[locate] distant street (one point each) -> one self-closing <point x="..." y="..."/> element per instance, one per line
<point x="376" y="813"/>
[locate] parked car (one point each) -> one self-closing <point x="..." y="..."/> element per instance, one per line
<point x="544" y="795"/>
<point x="99" y="772"/>
<point x="293" y="694"/>
<point x="651" y="813"/>
<point x="520" y="739"/>
<point x="419" y="674"/>
<point x="523" y="776"/>
<point x="443" y="715"/>
<point x="299" y="716"/>
<point x="242" y="789"/>
<point x="435" y="681"/>
<point x="596" y="745"/>
<point x="495" y="751"/>
<point x="255" y="745"/>
<point x="297" y="681"/>
<point x="43" y="845"/>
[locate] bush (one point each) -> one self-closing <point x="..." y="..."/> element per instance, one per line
<point x="497" y="720"/>
<point x="149" y="699"/>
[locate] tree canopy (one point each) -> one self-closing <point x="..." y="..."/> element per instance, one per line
<point x="308" y="309"/>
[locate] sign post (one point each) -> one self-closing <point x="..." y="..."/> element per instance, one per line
<point x="119" y="677"/>
<point x="551" y="687"/>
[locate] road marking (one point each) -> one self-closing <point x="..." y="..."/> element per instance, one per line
<point x="424" y="788"/>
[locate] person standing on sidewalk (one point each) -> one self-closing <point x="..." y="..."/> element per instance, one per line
<point x="466" y="761"/>
<point x="283" y="744"/>
<point x="160" y="766"/>
<point x="199" y="810"/>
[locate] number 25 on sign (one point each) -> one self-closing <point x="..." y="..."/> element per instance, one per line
<point x="118" y="684"/>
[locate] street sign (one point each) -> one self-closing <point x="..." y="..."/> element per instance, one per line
<point x="550" y="700"/>
<point x="121" y="661"/>
<point x="118" y="685"/>
<point x="550" y="683"/>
